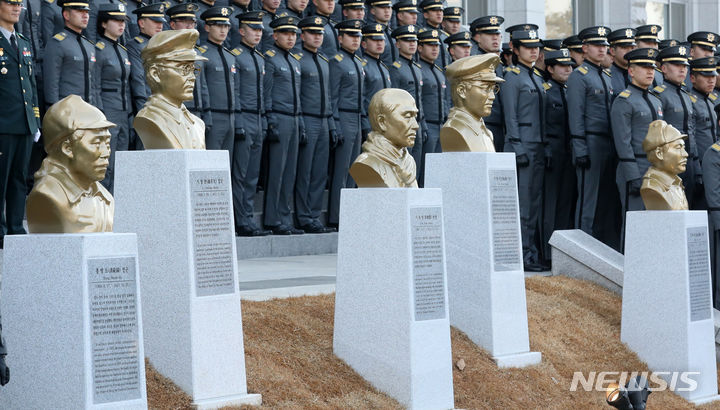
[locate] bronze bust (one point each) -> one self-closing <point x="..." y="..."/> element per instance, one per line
<point x="164" y="122"/>
<point x="385" y="160"/>
<point x="67" y="196"/>
<point x="662" y="188"/>
<point x="473" y="84"/>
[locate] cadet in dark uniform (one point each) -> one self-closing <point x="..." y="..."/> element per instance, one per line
<point x="19" y="123"/>
<point x="247" y="152"/>
<point x="524" y="102"/>
<point x="69" y="62"/>
<point x="459" y="46"/>
<point x="203" y="6"/>
<point x="452" y="20"/>
<point x="560" y="195"/>
<point x="548" y="45"/>
<point x="434" y="96"/>
<point x="317" y="117"/>
<point x="406" y="74"/>
<point x="678" y="111"/>
<point x="647" y="37"/>
<point x="381" y="11"/>
<point x="347" y="88"/>
<point x="220" y="75"/>
<point x="406" y="12"/>
<point x="702" y="44"/>
<point x="632" y="112"/>
<point x="575" y="45"/>
<point x="331" y="45"/>
<point x="116" y="81"/>
<point x="377" y="73"/>
<point x="132" y="26"/>
<point x="433" y="13"/>
<point x="295" y="8"/>
<point x="352" y="9"/>
<point x="283" y="108"/>
<point x="703" y="76"/>
<point x="270" y="10"/>
<point x="663" y="44"/>
<point x="621" y="42"/>
<point x="240" y="7"/>
<point x="52" y="21"/>
<point x="711" y="171"/>
<point x="589" y="95"/>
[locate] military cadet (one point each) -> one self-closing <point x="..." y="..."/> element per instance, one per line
<point x="524" y="100"/>
<point x="114" y="74"/>
<point x="621" y="42"/>
<point x="575" y="45"/>
<point x="182" y="16"/>
<point x="377" y="73"/>
<point x="703" y="44"/>
<point x="647" y="37"/>
<point x="663" y="44"/>
<point x="703" y="76"/>
<point x="589" y="95"/>
<point x="52" y="21"/>
<point x="270" y="10"/>
<point x="132" y="26"/>
<point x="559" y="195"/>
<point x="220" y="75"/>
<point x="240" y="7"/>
<point x="91" y="32"/>
<point x="711" y="171"/>
<point x="330" y="45"/>
<point x="296" y="8"/>
<point x="247" y="152"/>
<point x="459" y="45"/>
<point x="347" y="87"/>
<point x="678" y="111"/>
<point x="317" y="117"/>
<point x="548" y="45"/>
<point x="283" y="108"/>
<point x="632" y="112"/>
<point x="406" y="12"/>
<point x="506" y="54"/>
<point x="69" y="64"/>
<point x="18" y="124"/>
<point x="452" y="20"/>
<point x="150" y="21"/>
<point x="381" y="12"/>
<point x="434" y="94"/>
<point x="353" y="9"/>
<point x="433" y="13"/>
<point x="406" y="74"/>
<point x="203" y="6"/>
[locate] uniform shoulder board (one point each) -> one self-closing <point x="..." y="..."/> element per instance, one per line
<point x="338" y="57"/>
<point x="202" y="49"/>
<point x="321" y="55"/>
<point x="607" y="71"/>
<point x="384" y="65"/>
<point x="332" y="22"/>
<point x="660" y="88"/>
<point x="60" y="36"/>
<point x="270" y="53"/>
<point x="692" y="98"/>
<point x="122" y="46"/>
<point x="50" y="1"/>
<point x="713" y="96"/>
<point x="583" y="70"/>
<point x="417" y="65"/>
<point x="537" y="72"/>
<point x="624" y="94"/>
<point x="259" y="53"/>
<point x="358" y="58"/>
<point x="100" y="45"/>
<point x="445" y="33"/>
<point x="715" y="147"/>
<point x="236" y="51"/>
<point x="512" y="69"/>
<point x="364" y="62"/>
<point x="397" y="64"/>
<point x="297" y="56"/>
<point x="139" y="39"/>
<point x="438" y="67"/>
<point x="547" y="86"/>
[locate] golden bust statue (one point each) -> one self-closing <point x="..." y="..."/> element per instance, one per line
<point x="164" y="122"/>
<point x="662" y="188"/>
<point x="472" y="86"/>
<point x="67" y="196"/>
<point x="385" y="161"/>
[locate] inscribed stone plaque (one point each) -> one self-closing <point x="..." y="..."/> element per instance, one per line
<point x="699" y="273"/>
<point x="428" y="263"/>
<point x="112" y="302"/>
<point x="213" y="233"/>
<point x="504" y="212"/>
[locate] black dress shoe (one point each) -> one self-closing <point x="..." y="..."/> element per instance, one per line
<point x="533" y="267"/>
<point x="245" y="231"/>
<point x="280" y="230"/>
<point x="296" y="231"/>
<point x="259" y="231"/>
<point x="315" y="227"/>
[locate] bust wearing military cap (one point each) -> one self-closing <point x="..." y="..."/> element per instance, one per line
<point x="67" y="196"/>
<point x="164" y="122"/>
<point x="385" y="161"/>
<point x="472" y="81"/>
<point x="662" y="188"/>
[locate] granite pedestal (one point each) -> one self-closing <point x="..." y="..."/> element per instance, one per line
<point x="391" y="315"/>
<point x="180" y="205"/>
<point x="486" y="281"/>
<point x="72" y="322"/>
<point x="667" y="314"/>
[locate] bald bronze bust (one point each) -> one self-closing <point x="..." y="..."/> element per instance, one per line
<point x="385" y="161"/>
<point x="472" y="85"/>
<point x="164" y="122"/>
<point x="67" y="196"/>
<point x="662" y="188"/>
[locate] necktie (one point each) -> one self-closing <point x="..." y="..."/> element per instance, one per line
<point x="13" y="43"/>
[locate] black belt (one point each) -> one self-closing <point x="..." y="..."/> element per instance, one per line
<point x="554" y="136"/>
<point x="627" y="159"/>
<point x="109" y="90"/>
<point x="525" y="124"/>
<point x="347" y="110"/>
<point x="222" y="111"/>
<point x="291" y="114"/>
<point x="643" y="155"/>
<point x="309" y="114"/>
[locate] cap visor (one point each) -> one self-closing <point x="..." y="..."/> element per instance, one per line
<point x="158" y="19"/>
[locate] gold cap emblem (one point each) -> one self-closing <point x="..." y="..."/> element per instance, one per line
<point x="628" y="33"/>
<point x="682" y="51"/>
<point x="654" y="29"/>
<point x="189" y="7"/>
<point x="121" y="7"/>
<point x="532" y="34"/>
<point x="224" y="11"/>
<point x="711" y="37"/>
<point x="411" y="29"/>
<point x="467" y="35"/>
<point x="493" y="20"/>
<point x="318" y="20"/>
<point x="565" y="52"/>
<point x="378" y="27"/>
<point x="456" y="10"/>
<point x="434" y="33"/>
<point x="602" y="31"/>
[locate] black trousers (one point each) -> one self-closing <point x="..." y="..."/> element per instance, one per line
<point x="14" y="161"/>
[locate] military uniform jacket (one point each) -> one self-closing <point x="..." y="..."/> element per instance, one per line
<point x="632" y="112"/>
<point x="377" y="77"/>
<point x="199" y="105"/>
<point x="347" y="84"/>
<point x="51" y="21"/>
<point x="523" y="103"/>
<point x="131" y="28"/>
<point x="249" y="88"/>
<point x="21" y="114"/>
<point x="220" y="75"/>
<point x="135" y="47"/>
<point x="30" y="25"/>
<point x="330" y="45"/>
<point x="444" y="59"/>
<point x="589" y="98"/>
<point x="234" y="38"/>
<point x="200" y="24"/>
<point x="281" y="85"/>
<point x="711" y="179"/>
<point x="433" y="93"/>
<point x="114" y="74"/>
<point x="705" y="121"/>
<point x="407" y="74"/>
<point x="678" y="111"/>
<point x="267" y="37"/>
<point x="556" y="119"/>
<point x="69" y="68"/>
<point x="620" y="79"/>
<point x="390" y="53"/>
<point x="315" y="93"/>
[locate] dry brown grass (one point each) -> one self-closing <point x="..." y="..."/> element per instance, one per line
<point x="575" y="324"/>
